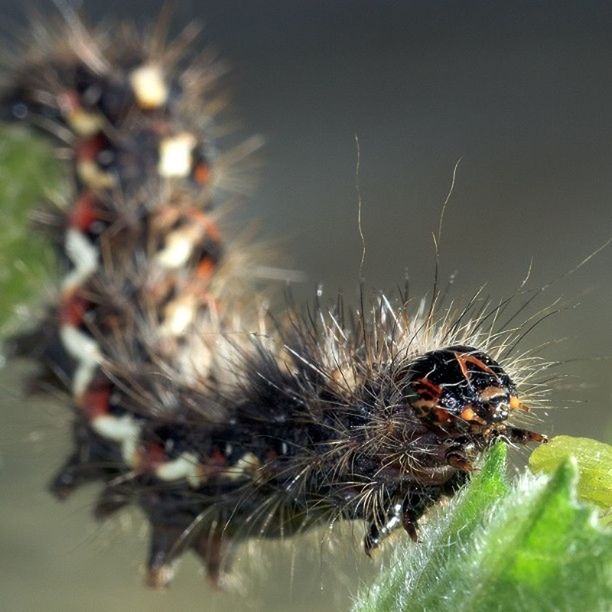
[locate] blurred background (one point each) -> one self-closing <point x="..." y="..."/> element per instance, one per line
<point x="520" y="91"/>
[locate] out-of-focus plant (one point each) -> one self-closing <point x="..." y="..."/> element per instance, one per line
<point x="28" y="171"/>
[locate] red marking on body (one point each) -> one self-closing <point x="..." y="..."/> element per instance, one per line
<point x="205" y="268"/>
<point x="201" y="173"/>
<point x="84" y="212"/>
<point x="95" y="401"/>
<point x="211" y="229"/>
<point x="215" y="465"/>
<point x="150" y="456"/>
<point x="73" y="308"/>
<point x="196" y="225"/>
<point x="87" y="149"/>
<point x="217" y="457"/>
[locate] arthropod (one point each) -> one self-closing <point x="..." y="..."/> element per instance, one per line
<point x="224" y="422"/>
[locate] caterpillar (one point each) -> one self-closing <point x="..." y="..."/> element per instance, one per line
<point x="221" y="421"/>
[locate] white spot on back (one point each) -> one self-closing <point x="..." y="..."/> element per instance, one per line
<point x="176" y="252"/>
<point x="124" y="429"/>
<point x="93" y="176"/>
<point x="82" y="254"/>
<point x="186" y="466"/>
<point x="175" y="155"/>
<point x="86" y="351"/>
<point x="179" y="316"/>
<point x="246" y="465"/>
<point x="85" y="123"/>
<point x="149" y="86"/>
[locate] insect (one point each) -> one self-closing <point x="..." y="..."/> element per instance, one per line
<point x="221" y="422"/>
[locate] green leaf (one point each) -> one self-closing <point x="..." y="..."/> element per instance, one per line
<point x="27" y="171"/>
<point x="529" y="546"/>
<point x="594" y="461"/>
<point x="431" y="556"/>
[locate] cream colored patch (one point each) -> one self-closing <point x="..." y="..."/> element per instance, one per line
<point x="83" y="255"/>
<point x="79" y="345"/>
<point x="175" y="155"/>
<point x="149" y="86"/>
<point x="123" y="429"/>
<point x="186" y="466"/>
<point x="176" y="251"/>
<point x="85" y="123"/>
<point x="83" y="375"/>
<point x="493" y="392"/>
<point x="86" y="351"/>
<point x="194" y="362"/>
<point x="91" y="174"/>
<point x="247" y="465"/>
<point x="178" y="317"/>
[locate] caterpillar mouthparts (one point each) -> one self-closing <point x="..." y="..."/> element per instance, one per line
<point x="220" y="422"/>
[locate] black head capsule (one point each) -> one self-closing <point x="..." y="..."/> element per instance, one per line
<point x="461" y="389"/>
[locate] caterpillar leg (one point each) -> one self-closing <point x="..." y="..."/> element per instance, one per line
<point x="168" y="542"/>
<point x="522" y="436"/>
<point x="164" y="548"/>
<point x="116" y="495"/>
<point x="403" y="515"/>
<point x="377" y="532"/>
<point x="459" y="460"/>
<point x="213" y="549"/>
<point x="93" y="459"/>
<point x="411" y="528"/>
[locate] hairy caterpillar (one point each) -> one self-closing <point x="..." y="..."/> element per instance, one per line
<point x="313" y="353"/>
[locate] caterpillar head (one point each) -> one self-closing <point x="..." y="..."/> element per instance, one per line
<point x="460" y="389"/>
<point x="462" y="400"/>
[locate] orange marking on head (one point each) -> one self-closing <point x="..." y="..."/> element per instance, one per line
<point x="463" y="359"/>
<point x="516" y="404"/>
<point x="468" y="414"/>
<point x="434" y="389"/>
<point x="492" y="392"/>
<point x="424" y="404"/>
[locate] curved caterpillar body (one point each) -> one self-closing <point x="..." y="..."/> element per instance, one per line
<point x="220" y="422"/>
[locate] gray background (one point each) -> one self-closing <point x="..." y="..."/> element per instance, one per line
<point x="520" y="91"/>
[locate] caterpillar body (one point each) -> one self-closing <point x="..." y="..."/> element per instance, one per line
<point x="220" y="420"/>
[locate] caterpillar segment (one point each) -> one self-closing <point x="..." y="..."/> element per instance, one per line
<point x="220" y="422"/>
